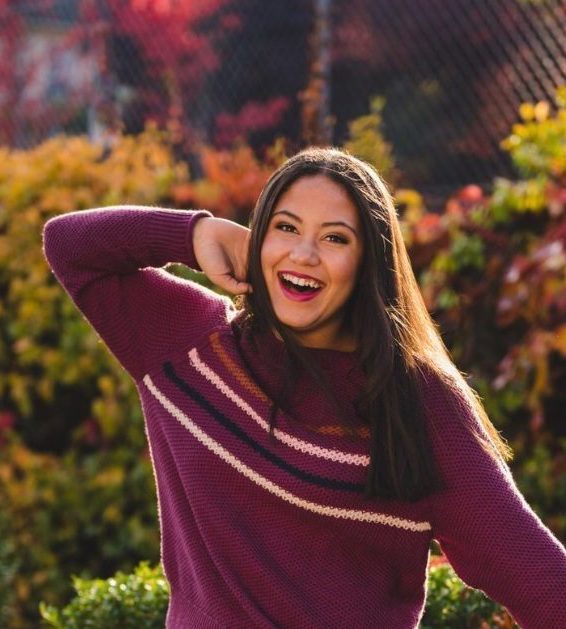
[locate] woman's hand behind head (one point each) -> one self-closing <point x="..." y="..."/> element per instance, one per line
<point x="221" y="249"/>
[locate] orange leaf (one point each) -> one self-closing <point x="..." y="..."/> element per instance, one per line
<point x="559" y="340"/>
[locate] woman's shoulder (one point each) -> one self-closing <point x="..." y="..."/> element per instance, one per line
<point x="176" y="313"/>
<point x="448" y="402"/>
<point x="457" y="422"/>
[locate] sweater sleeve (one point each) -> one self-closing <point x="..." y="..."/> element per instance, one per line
<point x="491" y="536"/>
<point x="106" y="260"/>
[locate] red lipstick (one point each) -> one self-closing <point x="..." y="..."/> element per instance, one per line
<point x="296" y="294"/>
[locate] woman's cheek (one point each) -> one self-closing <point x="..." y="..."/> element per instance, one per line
<point x="271" y="250"/>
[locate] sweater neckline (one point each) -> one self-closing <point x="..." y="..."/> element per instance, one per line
<point x="325" y="357"/>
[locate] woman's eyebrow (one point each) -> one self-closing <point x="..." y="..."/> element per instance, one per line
<point x="341" y="223"/>
<point x="297" y="218"/>
<point x="328" y="224"/>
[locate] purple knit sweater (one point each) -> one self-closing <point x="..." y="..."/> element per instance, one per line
<point x="275" y="532"/>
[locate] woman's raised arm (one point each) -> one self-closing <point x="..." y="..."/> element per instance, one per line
<point x="108" y="261"/>
<point x="492" y="537"/>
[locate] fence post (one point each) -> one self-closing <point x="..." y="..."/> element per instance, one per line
<point x="317" y="122"/>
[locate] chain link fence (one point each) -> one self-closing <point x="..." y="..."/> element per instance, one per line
<point x="452" y="74"/>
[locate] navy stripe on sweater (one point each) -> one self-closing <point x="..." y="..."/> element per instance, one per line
<point x="237" y="431"/>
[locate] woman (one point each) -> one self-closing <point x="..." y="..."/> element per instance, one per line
<point x="308" y="447"/>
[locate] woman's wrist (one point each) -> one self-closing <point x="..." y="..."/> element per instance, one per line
<point x="194" y="232"/>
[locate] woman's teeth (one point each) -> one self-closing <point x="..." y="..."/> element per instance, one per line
<point x="301" y="282"/>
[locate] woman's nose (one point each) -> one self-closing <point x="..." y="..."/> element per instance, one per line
<point x="304" y="252"/>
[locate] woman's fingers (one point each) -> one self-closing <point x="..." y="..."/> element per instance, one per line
<point x="234" y="271"/>
<point x="229" y="283"/>
<point x="233" y="280"/>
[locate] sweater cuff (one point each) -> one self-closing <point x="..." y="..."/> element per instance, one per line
<point x="192" y="261"/>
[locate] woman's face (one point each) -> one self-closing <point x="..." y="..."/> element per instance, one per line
<point x="310" y="258"/>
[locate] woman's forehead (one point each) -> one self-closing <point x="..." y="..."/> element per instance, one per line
<point x="317" y="196"/>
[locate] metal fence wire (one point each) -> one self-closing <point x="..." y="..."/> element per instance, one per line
<point x="452" y="74"/>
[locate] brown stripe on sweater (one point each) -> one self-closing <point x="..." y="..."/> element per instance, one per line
<point x="242" y="377"/>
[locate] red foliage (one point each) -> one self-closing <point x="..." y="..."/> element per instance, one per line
<point x="465" y="200"/>
<point x="7" y="421"/>
<point x="11" y="29"/>
<point x="254" y="116"/>
<point x="189" y="54"/>
<point x="175" y="42"/>
<point x="530" y="286"/>
<point x="232" y="182"/>
<point x="176" y="47"/>
<point x="437" y="560"/>
<point x="355" y="34"/>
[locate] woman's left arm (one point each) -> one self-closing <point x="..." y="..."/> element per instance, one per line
<point x="491" y="536"/>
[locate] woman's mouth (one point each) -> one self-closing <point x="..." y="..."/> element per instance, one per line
<point x="298" y="288"/>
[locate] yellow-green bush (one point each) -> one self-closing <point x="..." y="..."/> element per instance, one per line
<point x="76" y="486"/>
<point x="82" y="513"/>
<point x="366" y="140"/>
<point x="44" y="345"/>
<point x="491" y="269"/>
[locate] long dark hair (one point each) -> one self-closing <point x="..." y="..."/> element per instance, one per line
<point x="397" y="340"/>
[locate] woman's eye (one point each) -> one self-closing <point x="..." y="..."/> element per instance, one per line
<point x="337" y="238"/>
<point x="285" y="227"/>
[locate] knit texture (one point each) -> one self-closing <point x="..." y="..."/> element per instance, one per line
<point x="273" y="531"/>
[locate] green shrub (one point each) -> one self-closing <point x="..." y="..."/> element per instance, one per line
<point x="542" y="480"/>
<point x="8" y="567"/>
<point x="125" y="601"/>
<point x="81" y="513"/>
<point x="450" y="604"/>
<point x="139" y="601"/>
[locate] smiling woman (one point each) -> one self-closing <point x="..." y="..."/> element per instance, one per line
<point x="309" y="446"/>
<point x="310" y="260"/>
